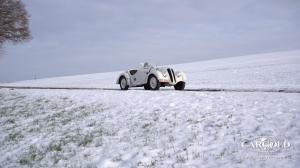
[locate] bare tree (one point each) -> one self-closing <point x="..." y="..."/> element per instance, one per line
<point x="14" y="25"/>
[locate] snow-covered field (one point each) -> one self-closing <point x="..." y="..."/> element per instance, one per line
<point x="166" y="128"/>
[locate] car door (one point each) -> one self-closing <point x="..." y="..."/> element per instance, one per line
<point x="132" y="73"/>
<point x="137" y="77"/>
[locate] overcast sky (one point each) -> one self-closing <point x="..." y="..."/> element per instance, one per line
<point x="89" y="36"/>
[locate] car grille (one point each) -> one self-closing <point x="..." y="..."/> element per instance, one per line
<point x="174" y="75"/>
<point x="171" y="74"/>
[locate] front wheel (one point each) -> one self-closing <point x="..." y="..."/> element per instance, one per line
<point x="179" y="86"/>
<point x="123" y="83"/>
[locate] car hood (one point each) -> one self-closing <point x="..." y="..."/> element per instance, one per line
<point x="162" y="69"/>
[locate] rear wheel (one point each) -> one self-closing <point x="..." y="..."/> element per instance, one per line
<point x="123" y="83"/>
<point x="153" y="83"/>
<point x="179" y="86"/>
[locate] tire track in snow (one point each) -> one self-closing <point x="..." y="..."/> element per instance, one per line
<point x="187" y="90"/>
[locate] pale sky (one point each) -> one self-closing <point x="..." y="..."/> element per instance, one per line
<point x="90" y="36"/>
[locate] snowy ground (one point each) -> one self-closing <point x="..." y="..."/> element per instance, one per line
<point x="128" y="129"/>
<point x="137" y="128"/>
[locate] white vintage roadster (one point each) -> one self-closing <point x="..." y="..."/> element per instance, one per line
<point x="151" y="78"/>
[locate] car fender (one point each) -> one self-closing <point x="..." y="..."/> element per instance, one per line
<point x="158" y="75"/>
<point x="155" y="73"/>
<point x="180" y="76"/>
<point x="126" y="75"/>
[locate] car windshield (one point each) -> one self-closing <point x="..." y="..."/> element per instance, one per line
<point x="145" y="65"/>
